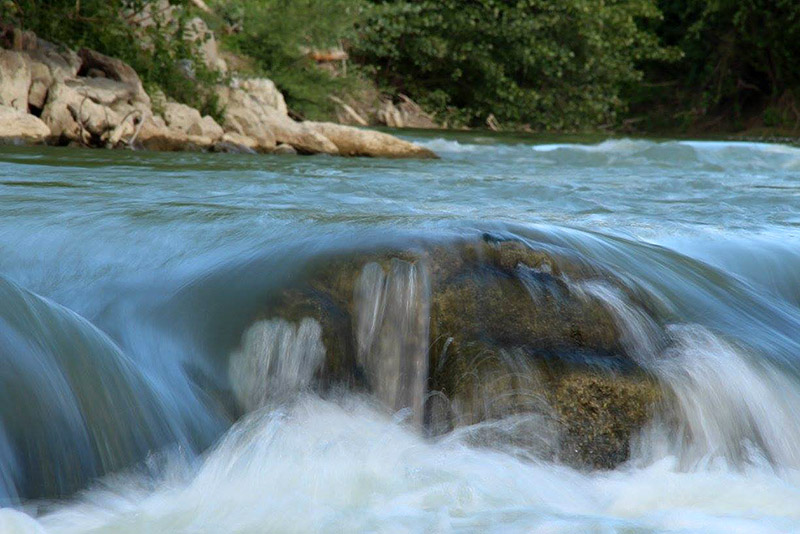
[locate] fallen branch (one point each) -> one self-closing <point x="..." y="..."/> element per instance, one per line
<point x="116" y="135"/>
<point x="492" y="123"/>
<point x="350" y="111"/>
<point x="199" y="4"/>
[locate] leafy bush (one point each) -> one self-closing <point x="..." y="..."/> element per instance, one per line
<point x="554" y="64"/>
<point x="278" y="34"/>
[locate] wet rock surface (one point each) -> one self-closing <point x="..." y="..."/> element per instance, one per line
<point x="479" y="331"/>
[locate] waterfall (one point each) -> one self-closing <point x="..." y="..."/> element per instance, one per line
<point x="277" y="358"/>
<point x="392" y="324"/>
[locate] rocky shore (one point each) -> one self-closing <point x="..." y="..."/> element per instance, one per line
<point x="56" y="96"/>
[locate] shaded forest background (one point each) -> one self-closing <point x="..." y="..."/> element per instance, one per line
<point x="653" y="66"/>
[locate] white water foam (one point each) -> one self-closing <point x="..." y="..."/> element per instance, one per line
<point x="723" y="403"/>
<point x="723" y="457"/>
<point x="449" y="145"/>
<point x="717" y="154"/>
<point x="609" y="146"/>
<point x="345" y="467"/>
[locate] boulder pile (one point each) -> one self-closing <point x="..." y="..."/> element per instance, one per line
<point x="50" y="94"/>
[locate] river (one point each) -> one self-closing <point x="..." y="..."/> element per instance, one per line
<point x="133" y="287"/>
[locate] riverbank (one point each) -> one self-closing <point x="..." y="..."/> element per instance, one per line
<point x="50" y="94"/>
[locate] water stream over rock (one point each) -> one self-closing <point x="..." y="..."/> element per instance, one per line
<point x="515" y="338"/>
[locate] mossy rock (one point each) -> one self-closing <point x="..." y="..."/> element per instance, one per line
<point x="512" y="331"/>
<point x="598" y="414"/>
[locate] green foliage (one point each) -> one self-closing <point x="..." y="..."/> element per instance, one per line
<point x="740" y="60"/>
<point x="278" y="34"/>
<point x="555" y="64"/>
<point x="549" y="64"/>
<point x="159" y="53"/>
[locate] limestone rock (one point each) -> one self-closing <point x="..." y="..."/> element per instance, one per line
<point x="104" y="91"/>
<point x="150" y="14"/>
<point x="188" y="120"/>
<point x="246" y="116"/>
<point x="155" y="135"/>
<point x="15" y="80"/>
<point x="351" y="141"/>
<point x="18" y="126"/>
<point x="41" y="80"/>
<point x="115" y="69"/>
<point x="58" y="116"/>
<point x="197" y="31"/>
<point x="235" y="143"/>
<point x="210" y="128"/>
<point x="283" y="148"/>
<point x="389" y="115"/>
<point x="257" y="109"/>
<point x="63" y="63"/>
<point x="305" y="138"/>
<point x="74" y="116"/>
<point x="49" y="63"/>
<point x="264" y="91"/>
<point x="406" y="114"/>
<point x="92" y="114"/>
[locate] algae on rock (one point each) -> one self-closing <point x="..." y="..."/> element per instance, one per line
<point x="476" y="331"/>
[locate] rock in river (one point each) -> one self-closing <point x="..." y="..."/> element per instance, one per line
<point x="468" y="332"/>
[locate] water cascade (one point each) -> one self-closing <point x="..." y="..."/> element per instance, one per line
<point x="514" y="338"/>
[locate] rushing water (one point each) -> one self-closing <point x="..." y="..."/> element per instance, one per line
<point x="129" y="284"/>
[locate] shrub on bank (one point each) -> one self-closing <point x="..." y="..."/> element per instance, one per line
<point x="279" y="34"/>
<point x="552" y="64"/>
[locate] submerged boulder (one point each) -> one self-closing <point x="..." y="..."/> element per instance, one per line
<point x="72" y="406"/>
<point x="478" y="331"/>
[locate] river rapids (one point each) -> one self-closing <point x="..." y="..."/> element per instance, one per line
<point x="523" y="336"/>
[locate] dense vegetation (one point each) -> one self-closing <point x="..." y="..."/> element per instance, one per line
<point x="278" y="34"/>
<point x="738" y="67"/>
<point x="553" y="64"/>
<point x="546" y="64"/>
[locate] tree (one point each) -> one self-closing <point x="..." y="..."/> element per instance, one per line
<point x="554" y="64"/>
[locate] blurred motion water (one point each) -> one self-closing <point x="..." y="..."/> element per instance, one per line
<point x="142" y="389"/>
